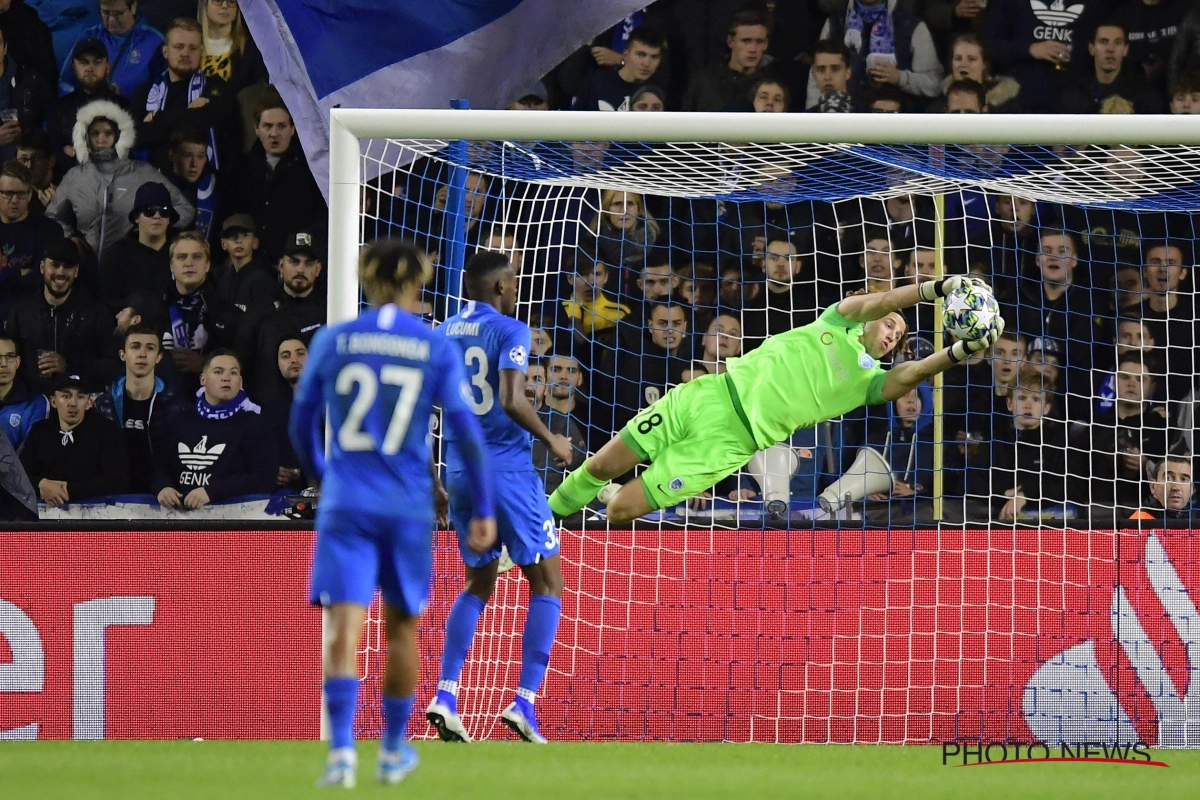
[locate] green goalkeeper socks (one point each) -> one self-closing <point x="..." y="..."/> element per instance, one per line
<point x="576" y="491"/>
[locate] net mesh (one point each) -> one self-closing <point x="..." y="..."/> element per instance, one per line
<point x="644" y="265"/>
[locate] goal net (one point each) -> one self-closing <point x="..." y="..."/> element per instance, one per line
<point x="1005" y="554"/>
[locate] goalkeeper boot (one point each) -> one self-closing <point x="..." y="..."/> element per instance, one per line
<point x="340" y="769"/>
<point x="396" y="765"/>
<point x="522" y="720"/>
<point x="443" y="715"/>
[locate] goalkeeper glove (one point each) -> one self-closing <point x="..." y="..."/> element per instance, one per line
<point x="931" y="290"/>
<point x="962" y="350"/>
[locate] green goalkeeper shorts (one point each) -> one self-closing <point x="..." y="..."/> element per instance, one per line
<point x="693" y="437"/>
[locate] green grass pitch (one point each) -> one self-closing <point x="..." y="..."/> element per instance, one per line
<point x="213" y="769"/>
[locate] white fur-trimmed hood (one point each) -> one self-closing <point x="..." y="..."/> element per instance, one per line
<point x="108" y="110"/>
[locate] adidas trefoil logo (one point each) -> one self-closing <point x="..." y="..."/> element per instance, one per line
<point x="1056" y="14"/>
<point x="200" y="457"/>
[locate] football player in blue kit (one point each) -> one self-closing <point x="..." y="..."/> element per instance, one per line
<point x="380" y="376"/>
<point x="494" y="348"/>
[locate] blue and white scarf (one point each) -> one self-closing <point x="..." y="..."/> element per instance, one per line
<point x="227" y="409"/>
<point x="875" y="22"/>
<point x="156" y="100"/>
<point x="183" y="335"/>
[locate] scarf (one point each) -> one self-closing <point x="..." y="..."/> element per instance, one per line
<point x="182" y="334"/>
<point x="156" y="100"/>
<point x="874" y="20"/>
<point x="227" y="409"/>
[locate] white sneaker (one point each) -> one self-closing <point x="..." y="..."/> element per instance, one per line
<point x="608" y="492"/>
<point x="395" y="766"/>
<point x="341" y="769"/>
<point x="522" y="724"/>
<point x="447" y="722"/>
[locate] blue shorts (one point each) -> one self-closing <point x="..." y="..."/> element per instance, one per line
<point x="523" y="518"/>
<point x="357" y="552"/>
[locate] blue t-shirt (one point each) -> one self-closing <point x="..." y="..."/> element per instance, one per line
<point x="489" y="342"/>
<point x="380" y="376"/>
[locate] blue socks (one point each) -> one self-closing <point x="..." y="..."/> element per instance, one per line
<point x="396" y="713"/>
<point x="541" y="626"/>
<point x="341" y="699"/>
<point x="460" y="632"/>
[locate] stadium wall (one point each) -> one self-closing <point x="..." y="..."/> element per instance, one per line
<point x="818" y="636"/>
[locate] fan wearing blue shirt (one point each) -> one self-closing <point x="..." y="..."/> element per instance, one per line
<point x="494" y="348"/>
<point x="380" y="377"/>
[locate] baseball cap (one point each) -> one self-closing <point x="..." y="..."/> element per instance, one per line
<point x="1044" y="345"/>
<point x="91" y="46"/>
<point x="303" y="241"/>
<point x="238" y="223"/>
<point x="63" y="251"/>
<point x="64" y="382"/>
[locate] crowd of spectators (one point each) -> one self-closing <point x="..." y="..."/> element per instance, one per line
<point x="162" y="251"/>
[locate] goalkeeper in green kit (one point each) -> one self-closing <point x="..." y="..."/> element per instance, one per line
<point x="702" y="431"/>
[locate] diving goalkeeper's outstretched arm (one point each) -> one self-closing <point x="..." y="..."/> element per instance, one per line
<point x="908" y="375"/>
<point x="877" y="305"/>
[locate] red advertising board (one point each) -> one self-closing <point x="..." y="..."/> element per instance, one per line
<point x="869" y="636"/>
<point x="158" y="635"/>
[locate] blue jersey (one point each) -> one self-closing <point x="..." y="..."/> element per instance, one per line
<point x="380" y="376"/>
<point x="490" y="342"/>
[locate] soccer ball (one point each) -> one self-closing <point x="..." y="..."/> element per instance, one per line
<point x="970" y="313"/>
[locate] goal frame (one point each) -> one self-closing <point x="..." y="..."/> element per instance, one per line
<point x="349" y="126"/>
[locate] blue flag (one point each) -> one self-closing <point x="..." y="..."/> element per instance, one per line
<point x="414" y="53"/>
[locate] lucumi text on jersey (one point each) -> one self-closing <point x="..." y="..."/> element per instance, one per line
<point x="383" y="344"/>
<point x="462" y="329"/>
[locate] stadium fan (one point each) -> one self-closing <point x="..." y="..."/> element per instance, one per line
<point x="562" y="380"/>
<point x="495" y="348"/>
<point x="965" y="97"/>
<point x="656" y="282"/>
<point x="1151" y="27"/>
<point x="720" y="85"/>
<point x="23" y="235"/>
<point x="1169" y="310"/>
<point x="1005" y="251"/>
<point x="648" y="98"/>
<point x="140" y="403"/>
<point x="274" y="184"/>
<point x="91" y="72"/>
<point x="533" y="97"/>
<point x="140" y="262"/>
<point x="652" y="362"/>
<point x="1132" y="430"/>
<point x="182" y="95"/>
<point x="95" y="198"/>
<point x="243" y="278"/>
<point x="708" y="428"/>
<point x="21" y="405"/>
<point x="769" y="96"/>
<point x="624" y="230"/>
<point x="30" y="42"/>
<point x="299" y="306"/>
<point x="970" y="61"/>
<point x="194" y="175"/>
<point x="1168" y="498"/>
<point x="613" y="88"/>
<point x="218" y="448"/>
<point x="790" y="296"/>
<point x="292" y="357"/>
<point x="1183" y="92"/>
<point x="200" y="321"/>
<point x="1133" y="335"/>
<point x="903" y="433"/>
<point x="36" y="154"/>
<point x="885" y="100"/>
<point x="74" y="453"/>
<point x="878" y="261"/>
<point x="62" y="329"/>
<point x="229" y="51"/>
<point x="888" y="46"/>
<point x="831" y="72"/>
<point x="1185" y="52"/>
<point x="134" y="47"/>
<point x="722" y="340"/>
<point x="588" y="310"/>
<point x="376" y="512"/>
<point x="1110" y="77"/>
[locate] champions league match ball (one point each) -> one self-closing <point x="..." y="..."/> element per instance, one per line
<point x="970" y="312"/>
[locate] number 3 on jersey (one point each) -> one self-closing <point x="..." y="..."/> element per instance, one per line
<point x="351" y="436"/>
<point x="477" y="366"/>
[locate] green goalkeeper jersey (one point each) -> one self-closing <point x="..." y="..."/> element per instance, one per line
<point x="808" y="375"/>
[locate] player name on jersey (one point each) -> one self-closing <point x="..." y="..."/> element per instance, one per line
<point x="462" y="329"/>
<point x="384" y="344"/>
